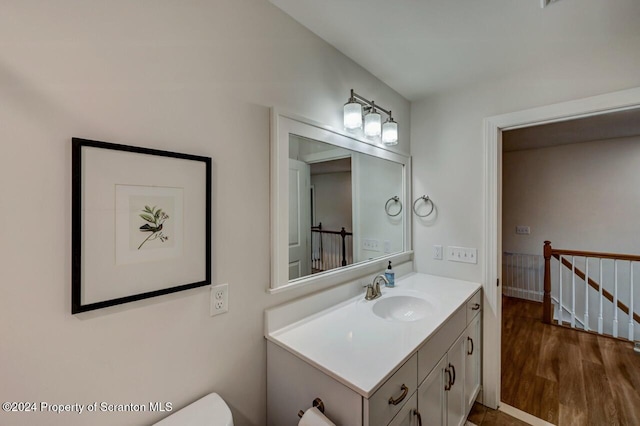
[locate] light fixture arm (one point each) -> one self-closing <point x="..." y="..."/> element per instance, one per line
<point x="364" y="101"/>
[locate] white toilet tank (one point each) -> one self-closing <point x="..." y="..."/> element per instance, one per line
<point x="210" y="410"/>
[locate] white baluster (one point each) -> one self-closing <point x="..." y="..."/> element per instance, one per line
<point x="517" y="276"/>
<point x="528" y="270"/>
<point x="600" y="293"/>
<point x="586" y="294"/>
<point x="523" y="294"/>
<point x="573" y="292"/>
<point x="510" y="274"/>
<point x="560" y="311"/>
<point x="615" y="298"/>
<point x="631" y="333"/>
<point x="513" y="275"/>
<point x="540" y="278"/>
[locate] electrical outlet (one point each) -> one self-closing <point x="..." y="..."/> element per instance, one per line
<point x="219" y="299"/>
<point x="437" y="252"/>
<point x="636" y="346"/>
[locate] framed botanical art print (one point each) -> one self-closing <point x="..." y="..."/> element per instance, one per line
<point x="141" y="223"/>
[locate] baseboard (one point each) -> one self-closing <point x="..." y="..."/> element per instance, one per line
<point x="521" y="415"/>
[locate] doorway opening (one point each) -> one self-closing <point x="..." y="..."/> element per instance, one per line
<point x="572" y="183"/>
<point x="493" y="275"/>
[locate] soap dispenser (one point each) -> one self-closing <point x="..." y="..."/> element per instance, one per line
<point x="390" y="275"/>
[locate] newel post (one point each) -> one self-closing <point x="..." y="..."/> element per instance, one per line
<point x="343" y="234"/>
<point x="546" y="301"/>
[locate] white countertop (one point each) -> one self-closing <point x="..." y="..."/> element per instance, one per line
<point x="361" y="350"/>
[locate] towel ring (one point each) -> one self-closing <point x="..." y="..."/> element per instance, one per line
<point x="426" y="200"/>
<point x="395" y="199"/>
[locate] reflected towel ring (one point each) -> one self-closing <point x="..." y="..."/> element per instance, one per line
<point x="426" y="200"/>
<point x="395" y="200"/>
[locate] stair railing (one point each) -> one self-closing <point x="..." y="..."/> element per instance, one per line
<point x="563" y="261"/>
<point x="330" y="249"/>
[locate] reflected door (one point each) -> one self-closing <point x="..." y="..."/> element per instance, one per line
<point x="299" y="219"/>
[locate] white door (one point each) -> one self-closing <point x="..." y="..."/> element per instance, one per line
<point x="432" y="396"/>
<point x="456" y="404"/>
<point x="299" y="219"/>
<point x="473" y="362"/>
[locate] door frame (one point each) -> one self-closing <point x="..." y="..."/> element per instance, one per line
<point x="492" y="265"/>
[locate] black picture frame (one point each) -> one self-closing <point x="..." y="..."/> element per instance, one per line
<point x="85" y="153"/>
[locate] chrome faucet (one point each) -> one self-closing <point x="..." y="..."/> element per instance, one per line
<point x="373" y="289"/>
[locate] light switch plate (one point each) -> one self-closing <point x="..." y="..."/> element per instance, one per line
<point x="462" y="254"/>
<point x="369" y="244"/>
<point x="523" y="230"/>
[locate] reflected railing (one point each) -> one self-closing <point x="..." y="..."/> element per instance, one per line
<point x="330" y="249"/>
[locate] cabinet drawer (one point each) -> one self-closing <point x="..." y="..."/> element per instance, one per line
<point x="379" y="407"/>
<point x="430" y="353"/>
<point x="407" y="413"/>
<point x="474" y="306"/>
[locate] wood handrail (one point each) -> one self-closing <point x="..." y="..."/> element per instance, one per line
<point x="579" y="253"/>
<point x="322" y="231"/>
<point x="550" y="252"/>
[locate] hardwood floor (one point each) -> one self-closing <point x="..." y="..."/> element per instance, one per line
<point x="483" y="416"/>
<point x="563" y="376"/>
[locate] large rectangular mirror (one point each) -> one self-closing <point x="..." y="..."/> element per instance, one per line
<point x="338" y="203"/>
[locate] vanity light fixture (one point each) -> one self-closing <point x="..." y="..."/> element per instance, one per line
<point x="352" y="114"/>
<point x="372" y="123"/>
<point x="390" y="132"/>
<point x="354" y="109"/>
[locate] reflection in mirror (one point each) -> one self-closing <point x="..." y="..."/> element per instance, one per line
<point x="344" y="207"/>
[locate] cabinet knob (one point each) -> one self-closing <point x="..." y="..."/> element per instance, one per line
<point x="405" y="391"/>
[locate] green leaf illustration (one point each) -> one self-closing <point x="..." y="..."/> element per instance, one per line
<point x="148" y="218"/>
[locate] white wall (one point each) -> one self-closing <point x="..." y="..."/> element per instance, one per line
<point x="333" y="200"/>
<point x="583" y="196"/>
<point x="447" y="145"/>
<point x="377" y="181"/>
<point x="189" y="76"/>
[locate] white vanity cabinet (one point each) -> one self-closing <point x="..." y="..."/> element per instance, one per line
<point x="293" y="384"/>
<point x="345" y="357"/>
<point x="473" y="361"/>
<point x="448" y="392"/>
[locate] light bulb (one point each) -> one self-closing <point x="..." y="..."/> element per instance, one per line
<point x="372" y="123"/>
<point x="390" y="132"/>
<point x="352" y="115"/>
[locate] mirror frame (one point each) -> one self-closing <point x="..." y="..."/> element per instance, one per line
<point x="282" y="125"/>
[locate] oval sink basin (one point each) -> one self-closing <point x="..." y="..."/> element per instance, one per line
<point x="402" y="308"/>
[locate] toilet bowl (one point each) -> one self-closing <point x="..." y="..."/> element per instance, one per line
<point x="210" y="410"/>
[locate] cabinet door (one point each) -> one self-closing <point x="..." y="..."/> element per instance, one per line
<point x="473" y="361"/>
<point x="432" y="396"/>
<point x="456" y="403"/>
<point x="407" y="414"/>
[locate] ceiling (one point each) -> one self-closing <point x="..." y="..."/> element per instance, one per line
<point x="421" y="47"/>
<point x="600" y="127"/>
